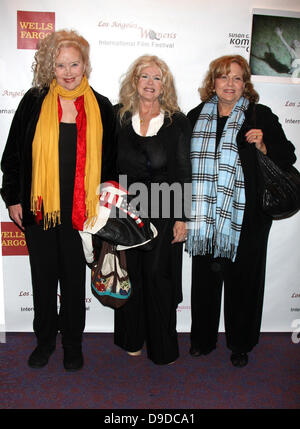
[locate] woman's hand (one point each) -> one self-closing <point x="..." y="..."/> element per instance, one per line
<point x="16" y="214"/>
<point x="179" y="232"/>
<point x="256" y="137"/>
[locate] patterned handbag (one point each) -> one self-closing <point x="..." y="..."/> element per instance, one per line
<point x="110" y="282"/>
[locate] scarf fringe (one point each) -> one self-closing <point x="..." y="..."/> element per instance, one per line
<point x="35" y="205"/>
<point x="219" y="247"/>
<point x="91" y="212"/>
<point x="50" y="219"/>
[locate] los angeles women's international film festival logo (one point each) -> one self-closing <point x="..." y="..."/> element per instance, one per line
<point x="33" y="27"/>
<point x="147" y="38"/>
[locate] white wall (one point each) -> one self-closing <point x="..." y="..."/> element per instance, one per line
<point x="191" y="33"/>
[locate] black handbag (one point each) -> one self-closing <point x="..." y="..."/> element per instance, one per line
<point x="126" y="228"/>
<point x="280" y="196"/>
<point x="118" y="223"/>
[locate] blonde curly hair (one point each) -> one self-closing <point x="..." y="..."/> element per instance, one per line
<point x="44" y="59"/>
<point x="221" y="66"/>
<point x="128" y="95"/>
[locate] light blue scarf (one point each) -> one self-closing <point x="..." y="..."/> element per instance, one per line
<point x="218" y="191"/>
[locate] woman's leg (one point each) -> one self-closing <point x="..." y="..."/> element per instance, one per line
<point x="244" y="291"/>
<point x="72" y="268"/>
<point x="129" y="332"/>
<point x="206" y="296"/>
<point x="162" y="270"/>
<point x="42" y="246"/>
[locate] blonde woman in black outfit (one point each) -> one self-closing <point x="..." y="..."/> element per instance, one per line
<point x="153" y="149"/>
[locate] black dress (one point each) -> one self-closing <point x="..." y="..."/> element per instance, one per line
<point x="150" y="314"/>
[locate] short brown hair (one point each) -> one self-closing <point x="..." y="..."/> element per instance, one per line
<point x="221" y="66"/>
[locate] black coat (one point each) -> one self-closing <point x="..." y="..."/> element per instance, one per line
<point x="16" y="163"/>
<point x="279" y="149"/>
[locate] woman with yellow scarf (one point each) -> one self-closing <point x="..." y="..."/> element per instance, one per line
<point x="60" y="147"/>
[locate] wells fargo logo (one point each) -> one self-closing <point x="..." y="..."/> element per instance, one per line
<point x="12" y="240"/>
<point x="32" y="27"/>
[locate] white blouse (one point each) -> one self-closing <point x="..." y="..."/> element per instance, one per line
<point x="154" y="125"/>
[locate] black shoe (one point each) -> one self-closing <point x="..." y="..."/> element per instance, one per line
<point x="40" y="356"/>
<point x="196" y="352"/>
<point x="73" y="358"/>
<point x="239" y="359"/>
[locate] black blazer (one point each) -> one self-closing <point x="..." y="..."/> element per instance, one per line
<point x="16" y="163"/>
<point x="279" y="149"/>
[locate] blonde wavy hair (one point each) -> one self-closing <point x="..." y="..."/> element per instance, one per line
<point x="128" y="95"/>
<point x="44" y="59"/>
<point x="221" y="66"/>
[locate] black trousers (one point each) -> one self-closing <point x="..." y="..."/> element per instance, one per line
<point x="56" y="255"/>
<point x="150" y="313"/>
<point x="243" y="282"/>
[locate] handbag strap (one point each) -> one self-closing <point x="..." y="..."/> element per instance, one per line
<point x="119" y="256"/>
<point x="105" y="249"/>
<point x="252" y="116"/>
<point x="122" y="258"/>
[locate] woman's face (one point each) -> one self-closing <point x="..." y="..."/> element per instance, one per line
<point x="149" y="85"/>
<point x="230" y="87"/>
<point x="69" y="68"/>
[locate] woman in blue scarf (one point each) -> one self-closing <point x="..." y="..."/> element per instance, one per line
<point x="228" y="232"/>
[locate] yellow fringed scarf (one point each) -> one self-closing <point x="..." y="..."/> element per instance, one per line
<point x="45" y="154"/>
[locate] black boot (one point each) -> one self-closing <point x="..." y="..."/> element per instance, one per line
<point x="196" y="352"/>
<point x="239" y="359"/>
<point x="73" y="358"/>
<point x="40" y="356"/>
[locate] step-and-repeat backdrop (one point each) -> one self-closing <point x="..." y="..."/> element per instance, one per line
<point x="187" y="35"/>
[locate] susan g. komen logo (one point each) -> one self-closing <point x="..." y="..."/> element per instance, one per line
<point x="33" y="27"/>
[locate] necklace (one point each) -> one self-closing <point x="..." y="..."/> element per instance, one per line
<point x="153" y="115"/>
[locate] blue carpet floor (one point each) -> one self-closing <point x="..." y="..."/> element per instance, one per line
<point x="110" y="379"/>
